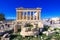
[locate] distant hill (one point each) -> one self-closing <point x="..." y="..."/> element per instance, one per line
<point x="10" y="19"/>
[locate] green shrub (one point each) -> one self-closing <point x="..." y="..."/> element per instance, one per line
<point x="46" y="27"/>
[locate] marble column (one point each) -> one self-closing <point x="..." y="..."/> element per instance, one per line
<point x="39" y="16"/>
<point x="20" y="15"/>
<point x="17" y="15"/>
<point x="36" y="16"/>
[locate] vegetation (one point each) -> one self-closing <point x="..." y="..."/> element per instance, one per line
<point x="28" y="25"/>
<point x="2" y="17"/>
<point x="56" y="29"/>
<point x="46" y="27"/>
<point x="55" y="35"/>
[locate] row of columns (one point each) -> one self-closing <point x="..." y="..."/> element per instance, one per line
<point x="20" y="15"/>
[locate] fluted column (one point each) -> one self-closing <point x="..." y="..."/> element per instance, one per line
<point x="20" y="15"/>
<point x="37" y="16"/>
<point x="16" y="15"/>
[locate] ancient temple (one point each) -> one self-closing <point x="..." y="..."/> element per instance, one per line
<point x="28" y="15"/>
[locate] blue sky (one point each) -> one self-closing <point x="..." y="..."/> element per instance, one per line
<point x="50" y="8"/>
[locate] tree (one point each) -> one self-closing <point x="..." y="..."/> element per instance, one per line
<point x="2" y="17"/>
